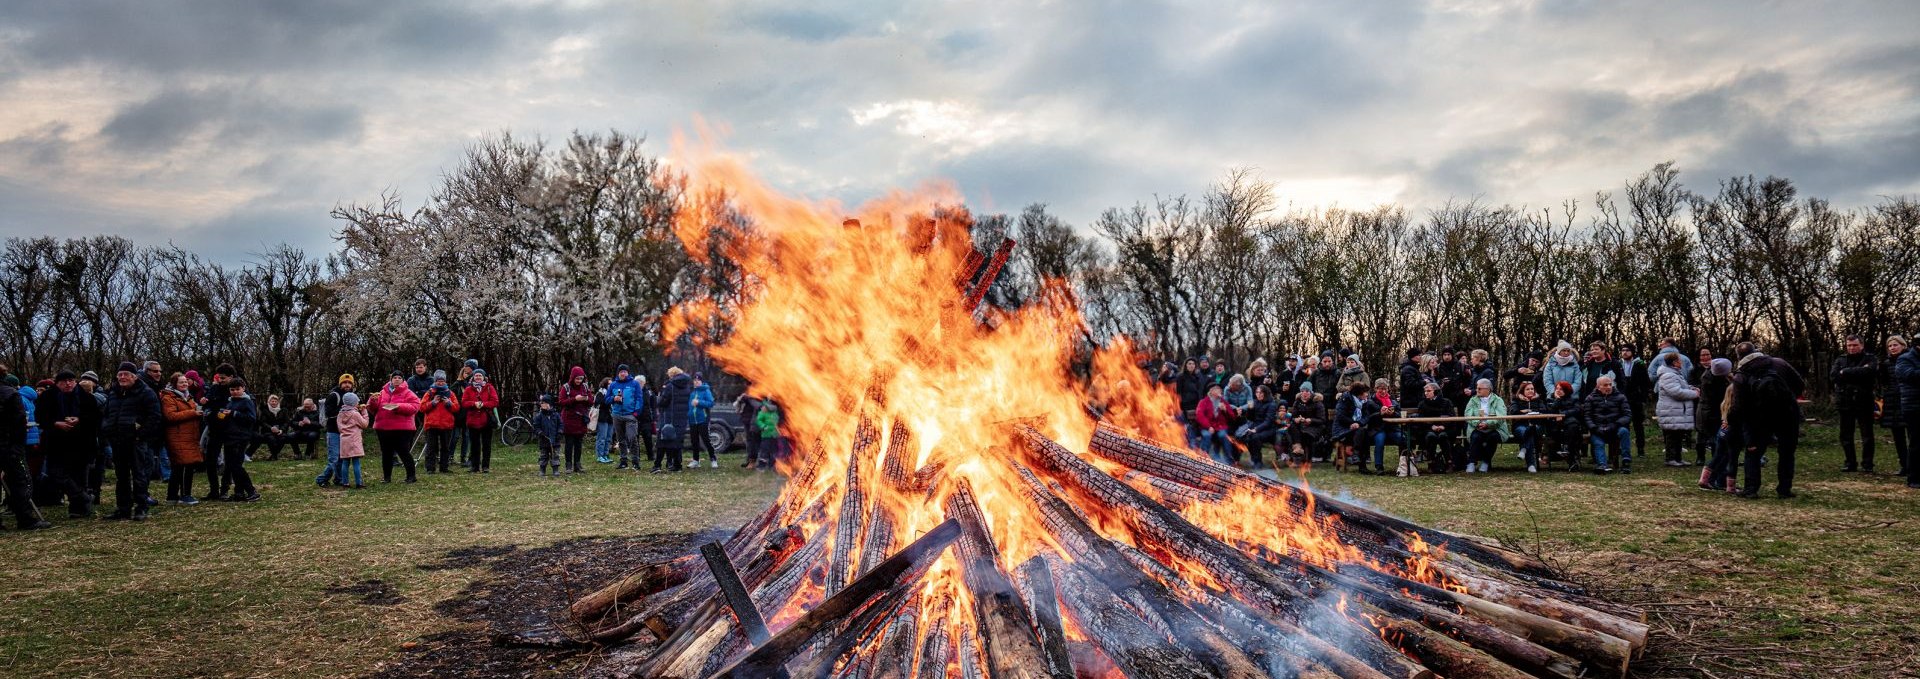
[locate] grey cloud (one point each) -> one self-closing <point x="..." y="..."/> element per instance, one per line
<point x="800" y="24"/>
<point x="234" y="115"/>
<point x="45" y="146"/>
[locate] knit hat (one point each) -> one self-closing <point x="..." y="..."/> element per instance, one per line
<point x="439" y="375"/>
<point x="349" y="400"/>
<point x="622" y="369"/>
<point x="473" y="363"/>
<point x="344" y="377"/>
<point x="127" y="367"/>
<point x="12" y="380"/>
<point x="479" y="373"/>
<point x="1722" y="367"/>
<point x="90" y="375"/>
<point x="1562" y="345"/>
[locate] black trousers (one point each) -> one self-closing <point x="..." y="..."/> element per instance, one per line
<point x="1912" y="420"/>
<point x="1786" y="441"/>
<point x="438" y="453"/>
<point x="67" y="474"/>
<point x="1862" y="418"/>
<point x="1676" y="442"/>
<point x="1440" y="450"/>
<point x="1898" y="430"/>
<point x="1706" y="441"/>
<point x="573" y="445"/>
<point x="669" y="453"/>
<point x="130" y="459"/>
<point x="395" y="443"/>
<point x="1638" y="409"/>
<point x="1483" y="445"/>
<point x="234" y="458"/>
<point x="701" y="441"/>
<point x="1254" y="441"/>
<point x="479" y="448"/>
<point x="180" y="484"/>
<point x="212" y="464"/>
<point x="13" y="465"/>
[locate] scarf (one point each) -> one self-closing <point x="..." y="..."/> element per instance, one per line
<point x="1559" y="359"/>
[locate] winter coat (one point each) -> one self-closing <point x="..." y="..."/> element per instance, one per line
<point x="1634" y="380"/>
<point x="1526" y="406"/>
<point x="1853" y="377"/>
<point x="1491" y="406"/>
<point x="1906" y="373"/>
<point x="1287" y="384"/>
<point x="1606" y="413"/>
<point x="1350" y="377"/>
<point x="1259" y="416"/>
<point x="270" y="420"/>
<point x="306" y="421"/>
<point x="1453" y="379"/>
<point x="699" y="401"/>
<point x="1411" y="383"/>
<point x="1572" y="418"/>
<point x="29" y="399"/>
<point x="632" y="399"/>
<point x="1713" y="391"/>
<point x="1438" y="406"/>
<point x="1190" y="387"/>
<point x="55" y="406"/>
<point x="1890" y="400"/>
<point x="1515" y="378"/>
<point x="1214" y="414"/>
<point x="353" y="425"/>
<point x="400" y="418"/>
<point x="183" y="427"/>
<point x="547" y="423"/>
<point x="419" y="384"/>
<point x="1675" y="407"/>
<point x="1325" y="382"/>
<point x="13" y="422"/>
<point x="238" y="420"/>
<point x="1483" y="372"/>
<point x="1759" y="418"/>
<point x="1351" y="410"/>
<point x="1592" y="371"/>
<point x="330" y="409"/>
<point x="1238" y="399"/>
<point x="1660" y="359"/>
<point x="1554" y="373"/>
<point x="575" y="413"/>
<point x="479" y="417"/>
<point x="437" y="411"/>
<point x="134" y="412"/>
<point x="767" y="419"/>
<point x="675" y="395"/>
<point x="1314" y="414"/>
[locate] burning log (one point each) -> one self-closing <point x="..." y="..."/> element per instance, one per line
<point x="1043" y="606"/>
<point x="1006" y="630"/>
<point x="904" y="567"/>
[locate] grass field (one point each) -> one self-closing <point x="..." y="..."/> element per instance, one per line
<point x="1823" y="585"/>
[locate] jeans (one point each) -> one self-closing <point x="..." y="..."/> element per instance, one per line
<point x="603" y="439"/>
<point x="1380" y="441"/>
<point x="1528" y="436"/>
<point x="627" y="428"/>
<point x="1725" y="464"/>
<point x="1620" y="439"/>
<point x="159" y="468"/>
<point x="340" y="467"/>
<point x="1215" y="442"/>
<point x="331" y="473"/>
<point x="1862" y="418"/>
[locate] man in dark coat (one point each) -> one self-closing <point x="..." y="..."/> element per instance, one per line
<point x="69" y="426"/>
<point x="1906" y="372"/>
<point x="237" y="422"/>
<point x="1608" y="416"/>
<point x="13" y="457"/>
<point x="1411" y="385"/>
<point x="421" y="380"/>
<point x="131" y="424"/>
<point x="1766" y="407"/>
<point x="1528" y="371"/>
<point x="1853" y="375"/>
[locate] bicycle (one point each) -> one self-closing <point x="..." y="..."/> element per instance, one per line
<point x="517" y="430"/>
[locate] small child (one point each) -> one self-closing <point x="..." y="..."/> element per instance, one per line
<point x="767" y="421"/>
<point x="670" y="444"/>
<point x="546" y="425"/>
<point x="353" y="424"/>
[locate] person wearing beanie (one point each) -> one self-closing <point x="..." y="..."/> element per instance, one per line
<point x="131" y="424"/>
<point x="1563" y="365"/>
<point x="331" y="405"/>
<point x="349" y="439"/>
<point x="1528" y="372"/>
<point x="393" y="408"/>
<point x="477" y="401"/>
<point x="69" y="426"/>
<point x="576" y="407"/>
<point x="438" y="410"/>
<point x="626" y="401"/>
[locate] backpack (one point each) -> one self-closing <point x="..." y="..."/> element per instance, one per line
<point x="1767" y="395"/>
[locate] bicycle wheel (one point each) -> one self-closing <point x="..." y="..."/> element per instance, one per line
<point x="517" y="431"/>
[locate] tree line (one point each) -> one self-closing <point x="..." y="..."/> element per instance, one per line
<point x="532" y="257"/>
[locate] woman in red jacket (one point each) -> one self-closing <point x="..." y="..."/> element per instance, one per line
<point x="1214" y="414"/>
<point x="437" y="409"/>
<point x="576" y="407"/>
<point x="393" y="409"/>
<point x="477" y="402"/>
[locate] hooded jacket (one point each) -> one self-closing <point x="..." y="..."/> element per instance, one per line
<point x="352" y="425"/>
<point x="479" y="417"/>
<point x="700" y="401"/>
<point x="30" y="399"/>
<point x="242" y="418"/>
<point x="437" y="410"/>
<point x="1675" y="402"/>
<point x="1563" y="365"/>
<point x="675" y="398"/>
<point x="576" y="403"/>
<point x="632" y="399"/>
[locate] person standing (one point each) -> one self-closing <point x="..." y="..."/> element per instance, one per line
<point x="766" y="420"/>
<point x="1892" y="410"/>
<point x="183" y="438"/>
<point x="1723" y="465"/>
<point x="1528" y="372"/>
<point x="478" y="401"/>
<point x="13" y="458"/>
<point x="393" y="409"/>
<point x="675" y="396"/>
<point x="603" y="423"/>
<point x="459" y="385"/>
<point x="438" y="410"/>
<point x="700" y="405"/>
<point x="237" y="422"/>
<point x="1608" y="418"/>
<point x="1766" y="406"/>
<point x="213" y="400"/>
<point x="421" y="380"/>
<point x="1599" y="363"/>
<point x="627" y="401"/>
<point x="1189" y="388"/>
<point x="331" y="406"/>
<point x="1675" y="406"/>
<point x="69" y="426"/>
<point x="749" y="409"/>
<point x="1853" y="375"/>
<point x="131" y="423"/>
<point x="1906" y="371"/>
<point x="1636" y="382"/>
<point x="546" y="428"/>
<point x="576" y="407"/>
<point x="152" y="375"/>
<point x="350" y="439"/>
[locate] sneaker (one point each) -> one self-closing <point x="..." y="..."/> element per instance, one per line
<point x="189" y="500"/>
<point x="1746" y="495"/>
<point x="1471" y="467"/>
<point x="656" y="470"/>
<point x="1486" y="467"/>
<point x="715" y="463"/>
<point x="1533" y="469"/>
<point x="604" y="460"/>
<point x="623" y="464"/>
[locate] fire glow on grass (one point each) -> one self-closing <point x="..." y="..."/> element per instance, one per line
<point x="856" y="321"/>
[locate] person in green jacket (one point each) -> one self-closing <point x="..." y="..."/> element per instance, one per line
<point x="767" y="420"/>
<point x="1483" y="436"/>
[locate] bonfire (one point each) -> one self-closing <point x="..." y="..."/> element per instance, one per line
<point x="978" y="492"/>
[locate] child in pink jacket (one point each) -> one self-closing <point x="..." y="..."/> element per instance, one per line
<point x="353" y="424"/>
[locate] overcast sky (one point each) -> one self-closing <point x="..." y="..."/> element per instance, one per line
<point x="226" y="126"/>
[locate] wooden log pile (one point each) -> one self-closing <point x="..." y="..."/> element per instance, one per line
<point x="1159" y="597"/>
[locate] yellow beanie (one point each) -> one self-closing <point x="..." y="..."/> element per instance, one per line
<point x="346" y="377"/>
